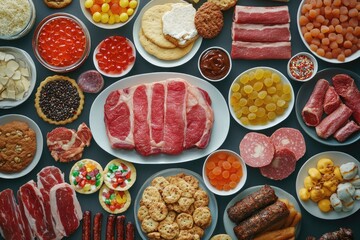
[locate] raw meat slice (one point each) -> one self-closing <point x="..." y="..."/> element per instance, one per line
<point x="65" y="208"/>
<point x="333" y="122"/>
<point x="261" y="15"/>
<point x="90" y="81"/>
<point x="313" y="109"/>
<point x="256" y="149"/>
<point x="260" y="32"/>
<point x="13" y="224"/>
<point x="257" y="50"/>
<point x="291" y="139"/>
<point x="157" y="113"/>
<point x="331" y="101"/>
<point x="345" y="86"/>
<point x="346" y="131"/>
<point x="282" y="165"/>
<point x="84" y="133"/>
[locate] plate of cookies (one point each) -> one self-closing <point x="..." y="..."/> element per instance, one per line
<point x="156" y="37"/>
<point x="175" y="203"/>
<point x="21" y="145"/>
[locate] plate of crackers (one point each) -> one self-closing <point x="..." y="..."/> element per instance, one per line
<point x="157" y="46"/>
<point x="175" y="203"/>
<point x="21" y="145"/>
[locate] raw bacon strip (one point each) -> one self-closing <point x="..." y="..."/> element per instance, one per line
<point x="282" y="165"/>
<point x="332" y="100"/>
<point x="313" y="109"/>
<point x="345" y="86"/>
<point x="257" y="51"/>
<point x="346" y="131"/>
<point x="261" y="15"/>
<point x="333" y="122"/>
<point x="291" y="139"/>
<point x="256" y="149"/>
<point x="260" y="32"/>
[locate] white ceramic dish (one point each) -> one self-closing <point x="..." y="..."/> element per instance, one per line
<point x="170" y="172"/>
<point x="229" y="225"/>
<point x="25" y="57"/>
<point x="338" y="158"/>
<point x="218" y="135"/>
<point x="39" y="144"/>
<point x="150" y="58"/>
<point x="239" y="185"/>
<point x="313" y="60"/>
<point x="352" y="57"/>
<point x="275" y="121"/>
<point x="303" y="96"/>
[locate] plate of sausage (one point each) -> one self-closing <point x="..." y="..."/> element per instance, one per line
<point x="328" y="107"/>
<point x="260" y="210"/>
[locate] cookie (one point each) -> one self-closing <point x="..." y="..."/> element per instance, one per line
<point x="158" y="211"/>
<point x="17" y="146"/>
<point x="185" y="203"/>
<point x="221" y="237"/>
<point x="142" y="213"/>
<point x="209" y="20"/>
<point x="185" y="221"/>
<point x="119" y="175"/>
<point x="82" y="174"/>
<point x="202" y="217"/>
<point x="171" y="193"/>
<point x="168" y="230"/>
<point x="160" y="183"/>
<point x="224" y="4"/>
<point x="201" y="198"/>
<point x="150" y="195"/>
<point x="57" y="3"/>
<point x="149" y="225"/>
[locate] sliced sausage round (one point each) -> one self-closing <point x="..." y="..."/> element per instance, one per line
<point x="90" y="81"/>
<point x="282" y="165"/>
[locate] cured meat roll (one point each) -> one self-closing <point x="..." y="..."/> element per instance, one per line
<point x="332" y="100"/>
<point x="261" y="15"/>
<point x="252" y="203"/>
<point x="346" y="131"/>
<point x="313" y="109"/>
<point x="260" y="32"/>
<point x="258" y="50"/>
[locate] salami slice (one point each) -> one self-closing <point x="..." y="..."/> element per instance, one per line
<point x="256" y="149"/>
<point x="282" y="165"/>
<point x="90" y="81"/>
<point x="291" y="139"/>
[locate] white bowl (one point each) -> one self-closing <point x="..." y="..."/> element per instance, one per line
<point x="226" y="54"/>
<point x="239" y="185"/>
<point x="312" y="59"/>
<point x="273" y="122"/>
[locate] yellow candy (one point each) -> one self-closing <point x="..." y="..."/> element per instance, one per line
<point x="271" y="90"/>
<point x="133" y="4"/>
<point x="243" y="102"/>
<point x="286" y="89"/>
<point x="253" y="109"/>
<point x="270" y="107"/>
<point x="244" y="79"/>
<point x="117" y="18"/>
<point x="104" y="17"/>
<point x="238" y="114"/>
<point x="124" y="17"/>
<point x="105" y="7"/>
<point x="259" y="73"/>
<point x="275" y="77"/>
<point x="253" y="95"/>
<point x="111" y="19"/>
<point x="268" y="82"/>
<point x="124" y="3"/>
<point x="235" y="87"/>
<point x="271" y="115"/>
<point x="248" y="89"/>
<point x="258" y="86"/>
<point x="88" y="3"/>
<point x="245" y="110"/>
<point x="280" y="103"/>
<point x="244" y="120"/>
<point x="236" y="95"/>
<point x="258" y="102"/>
<point x="96" y="17"/>
<point x="262" y="94"/>
<point x="251" y="116"/>
<point x="261" y="112"/>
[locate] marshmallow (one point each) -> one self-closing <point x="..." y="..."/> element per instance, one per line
<point x="345" y="191"/>
<point x="348" y="170"/>
<point x="335" y="202"/>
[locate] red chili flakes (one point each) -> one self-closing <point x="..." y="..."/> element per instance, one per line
<point x="61" y="42"/>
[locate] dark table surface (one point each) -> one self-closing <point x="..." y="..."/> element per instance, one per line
<point x="310" y="225"/>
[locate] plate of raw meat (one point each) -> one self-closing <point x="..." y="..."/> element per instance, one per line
<point x="160" y="118"/>
<point x="328" y="107"/>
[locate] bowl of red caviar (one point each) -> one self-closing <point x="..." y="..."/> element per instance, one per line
<point x="61" y="42"/>
<point x="114" y="56"/>
<point x="302" y="67"/>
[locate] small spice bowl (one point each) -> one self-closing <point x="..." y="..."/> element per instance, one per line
<point x="224" y="172"/>
<point x="215" y="64"/>
<point x="302" y="67"/>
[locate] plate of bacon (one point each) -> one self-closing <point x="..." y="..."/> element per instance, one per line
<point x="328" y="108"/>
<point x="160" y="118"/>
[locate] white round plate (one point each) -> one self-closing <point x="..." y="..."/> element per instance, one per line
<point x="171" y="172"/>
<point x="229" y="225"/>
<point x="352" y="57"/>
<point x="278" y="119"/>
<point x="338" y="158"/>
<point x="218" y="135"/>
<point x="20" y="54"/>
<point x="303" y="96"/>
<point x="39" y="144"/>
<point x="150" y="58"/>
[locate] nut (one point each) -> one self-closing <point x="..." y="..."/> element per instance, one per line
<point x="17" y="159"/>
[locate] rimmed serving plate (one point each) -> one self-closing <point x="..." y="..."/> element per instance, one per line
<point x="218" y="135"/>
<point x="39" y="144"/>
<point x="304" y="94"/>
<point x="150" y="58"/>
<point x="338" y="158"/>
<point x="171" y="172"/>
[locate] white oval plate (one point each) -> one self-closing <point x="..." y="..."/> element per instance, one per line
<point x="20" y="54"/>
<point x="218" y="134"/>
<point x="170" y="172"/>
<point x="150" y="58"/>
<point x="39" y="144"/>
<point x="338" y="158"/>
<point x="229" y="225"/>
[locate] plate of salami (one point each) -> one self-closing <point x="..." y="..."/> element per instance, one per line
<point x="216" y="118"/>
<point x="266" y="198"/>
<point x="327" y="93"/>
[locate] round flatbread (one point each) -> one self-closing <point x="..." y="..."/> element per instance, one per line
<point x="119" y="175"/>
<point x="221" y="237"/>
<point x="114" y="202"/>
<point x="86" y="176"/>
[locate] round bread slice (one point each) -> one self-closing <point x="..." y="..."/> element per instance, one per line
<point x="112" y="201"/>
<point x="86" y="176"/>
<point x="119" y="175"/>
<point x="209" y="20"/>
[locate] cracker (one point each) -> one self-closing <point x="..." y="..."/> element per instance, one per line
<point x="185" y="221"/>
<point x="149" y="225"/>
<point x="185" y="203"/>
<point x="160" y="183"/>
<point x="171" y="193"/>
<point x="150" y="195"/>
<point x="202" y="217"/>
<point x="168" y="230"/>
<point x="57" y="3"/>
<point x="209" y="20"/>
<point x="201" y="198"/>
<point x="224" y="4"/>
<point x="142" y="213"/>
<point x="158" y="211"/>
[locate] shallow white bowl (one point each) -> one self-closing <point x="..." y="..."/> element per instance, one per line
<point x="239" y="185"/>
<point x="314" y="61"/>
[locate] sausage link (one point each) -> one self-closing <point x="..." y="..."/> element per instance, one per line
<point x="86" y="235"/>
<point x="130" y="233"/>
<point x="110" y="227"/>
<point x="120" y="225"/>
<point x="97" y="226"/>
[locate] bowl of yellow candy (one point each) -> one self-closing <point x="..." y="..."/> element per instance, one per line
<point x="109" y="14"/>
<point x="260" y="98"/>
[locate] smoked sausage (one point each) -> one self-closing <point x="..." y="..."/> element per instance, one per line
<point x="97" y="226"/>
<point x="130" y="233"/>
<point x="110" y="227"/>
<point x="120" y="227"/>
<point x="86" y="234"/>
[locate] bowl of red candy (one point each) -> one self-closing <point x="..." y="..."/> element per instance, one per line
<point x="114" y="56"/>
<point x="61" y="42"/>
